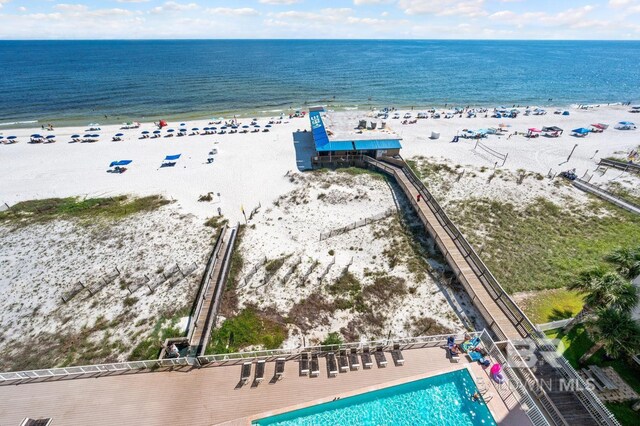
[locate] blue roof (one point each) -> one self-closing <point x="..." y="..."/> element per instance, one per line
<point x="320" y="136"/>
<point x="335" y="146"/>
<point x="378" y="144"/>
<point x="323" y="144"/>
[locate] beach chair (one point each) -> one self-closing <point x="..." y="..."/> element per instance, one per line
<point x="315" y="366"/>
<point x="332" y="364"/>
<point x="304" y="363"/>
<point x="343" y="361"/>
<point x="259" y="372"/>
<point x="366" y="358"/>
<point x="246" y="373"/>
<point x="280" y="368"/>
<point x="354" y="361"/>
<point x="396" y="355"/>
<point x="381" y="358"/>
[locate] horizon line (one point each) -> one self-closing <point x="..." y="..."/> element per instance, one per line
<point x="318" y="39"/>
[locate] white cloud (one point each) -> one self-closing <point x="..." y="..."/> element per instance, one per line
<point x="365" y="2"/>
<point x="132" y="1"/>
<point x="243" y="11"/>
<point x="570" y="17"/>
<point x="65" y="7"/>
<point x="468" y="8"/>
<point x="3" y="2"/>
<point x="280" y="2"/>
<point x="172" y="6"/>
<point x="22" y="9"/>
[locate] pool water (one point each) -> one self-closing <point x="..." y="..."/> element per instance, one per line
<point x="439" y="400"/>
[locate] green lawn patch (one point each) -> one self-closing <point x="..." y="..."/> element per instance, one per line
<point x="248" y="328"/>
<point x="165" y="328"/>
<point x="356" y="171"/>
<point x="576" y="343"/>
<point x="551" y="305"/>
<point x="27" y="212"/>
<point x="544" y="245"/>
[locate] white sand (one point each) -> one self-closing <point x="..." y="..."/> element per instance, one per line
<point x="249" y="168"/>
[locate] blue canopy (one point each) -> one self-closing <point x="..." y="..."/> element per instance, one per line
<point x="170" y="131"/>
<point x="157" y="132"/>
<point x="182" y="124"/>
<point x="120" y="163"/>
<point x="87" y="136"/>
<point x="75" y="136"/>
<point x="172" y="157"/>
<point x="581" y="131"/>
<point x="565" y="113"/>
<point x="145" y="132"/>
<point x="95" y="136"/>
<point x="195" y="128"/>
<point x="36" y="136"/>
<point x="11" y="137"/>
<point x="320" y="136"/>
<point x="51" y="136"/>
<point x="377" y="144"/>
<point x="626" y="123"/>
<point x="119" y="134"/>
<point x="245" y="127"/>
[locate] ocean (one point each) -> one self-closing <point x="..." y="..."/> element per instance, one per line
<point x="113" y="81"/>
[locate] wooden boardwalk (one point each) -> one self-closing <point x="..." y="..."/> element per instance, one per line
<point x="211" y="294"/>
<point x="496" y="319"/>
<point x="503" y="317"/>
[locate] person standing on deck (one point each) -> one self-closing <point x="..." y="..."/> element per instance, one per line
<point x="419" y="197"/>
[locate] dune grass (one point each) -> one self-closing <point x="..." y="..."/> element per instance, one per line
<point x="543" y="245"/>
<point x="33" y="211"/>
<point x="248" y="328"/>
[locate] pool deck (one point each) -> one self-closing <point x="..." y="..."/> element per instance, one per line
<point x="212" y="395"/>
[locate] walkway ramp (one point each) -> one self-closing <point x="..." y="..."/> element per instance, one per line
<point x="620" y="165"/>
<point x="210" y="295"/>
<point x="502" y="315"/>
<point x="606" y="195"/>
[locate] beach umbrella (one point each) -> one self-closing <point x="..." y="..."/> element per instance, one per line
<point x="195" y="128"/>
<point x="51" y="136"/>
<point x="156" y="132"/>
<point x="223" y="127"/>
<point x="95" y="136"/>
<point x="268" y="125"/>
<point x="170" y="131"/>
<point x="11" y="138"/>
<point x="213" y="128"/>
<point x="75" y="136"/>
<point x="256" y="125"/>
<point x="119" y="134"/>
<point x="581" y="131"/>
<point x="626" y="123"/>
<point x="533" y="129"/>
<point x="145" y="132"/>
<point x="182" y="124"/>
<point x="598" y="126"/>
<point x="36" y="136"/>
<point x="245" y="127"/>
<point x="87" y="136"/>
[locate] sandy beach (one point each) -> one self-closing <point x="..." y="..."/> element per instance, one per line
<point x="250" y="169"/>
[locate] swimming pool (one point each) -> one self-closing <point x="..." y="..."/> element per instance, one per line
<point x="438" y="400"/>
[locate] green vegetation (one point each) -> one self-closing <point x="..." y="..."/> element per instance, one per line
<point x="404" y="248"/>
<point x="27" y="212"/>
<point x="624" y="193"/>
<point x="215" y="221"/>
<point x="333" y="338"/>
<point x="577" y="342"/>
<point x="346" y="284"/>
<point x="274" y="265"/>
<point x="248" y="328"/>
<point x="543" y="246"/>
<point x="552" y="305"/>
<point x="356" y="171"/>
<point x="165" y="328"/>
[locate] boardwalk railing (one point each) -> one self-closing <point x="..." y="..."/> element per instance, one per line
<point x="357" y="224"/>
<point x="98" y="370"/>
<point x="515" y="315"/>
<point x="553" y="324"/>
<point x="621" y="165"/>
<point x="606" y="195"/>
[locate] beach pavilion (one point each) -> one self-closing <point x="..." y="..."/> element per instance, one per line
<point x="327" y="149"/>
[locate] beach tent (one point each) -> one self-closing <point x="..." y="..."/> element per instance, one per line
<point x="565" y="113"/>
<point x="170" y="160"/>
<point x="580" y="132"/>
<point x="120" y="163"/>
<point x="162" y="123"/>
<point x="625" y="125"/>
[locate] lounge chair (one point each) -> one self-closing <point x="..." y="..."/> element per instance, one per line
<point x="366" y="358"/>
<point x="332" y="364"/>
<point x="246" y="373"/>
<point x="304" y="363"/>
<point x="280" y="368"/>
<point x="396" y="355"/>
<point x="353" y="359"/>
<point x="343" y="361"/>
<point x="450" y="345"/>
<point x="315" y="366"/>
<point x="259" y="372"/>
<point x="381" y="359"/>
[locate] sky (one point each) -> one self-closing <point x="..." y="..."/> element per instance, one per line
<point x="321" y="19"/>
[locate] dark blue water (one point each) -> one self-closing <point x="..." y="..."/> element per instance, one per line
<point x="85" y="80"/>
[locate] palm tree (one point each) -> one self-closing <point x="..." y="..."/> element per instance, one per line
<point x="626" y="261"/>
<point x="615" y="331"/>
<point x="602" y="289"/>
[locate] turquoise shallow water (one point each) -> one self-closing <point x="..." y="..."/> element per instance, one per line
<point x="440" y="400"/>
<point x="84" y="81"/>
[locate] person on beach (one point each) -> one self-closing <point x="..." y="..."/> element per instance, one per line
<point x="419" y="197"/>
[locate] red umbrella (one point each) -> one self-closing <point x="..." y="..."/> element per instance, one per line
<point x="534" y="130"/>
<point x="598" y="126"/>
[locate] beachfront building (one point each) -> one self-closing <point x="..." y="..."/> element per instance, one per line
<point x="332" y="149"/>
